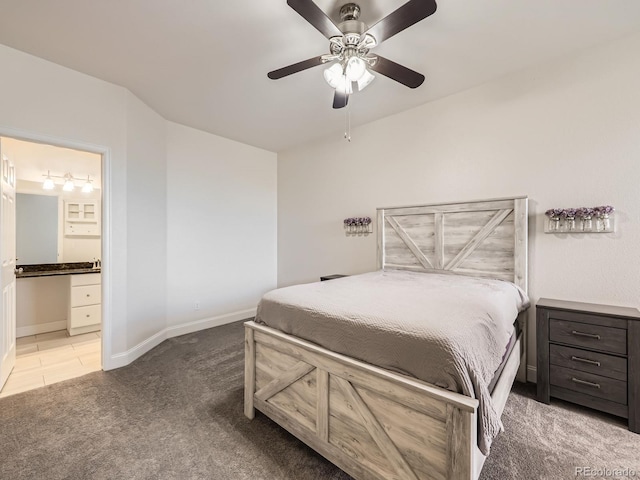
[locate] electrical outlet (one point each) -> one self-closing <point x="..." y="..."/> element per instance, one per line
<point x="196" y="306"/>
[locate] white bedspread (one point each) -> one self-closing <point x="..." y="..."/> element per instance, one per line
<point x="448" y="330"/>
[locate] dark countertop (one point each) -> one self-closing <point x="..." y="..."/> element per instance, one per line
<point x="53" y="269"/>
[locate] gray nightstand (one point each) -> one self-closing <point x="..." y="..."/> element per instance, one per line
<point x="590" y="354"/>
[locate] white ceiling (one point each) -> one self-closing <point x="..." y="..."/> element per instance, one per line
<point x="204" y="63"/>
<point x="33" y="160"/>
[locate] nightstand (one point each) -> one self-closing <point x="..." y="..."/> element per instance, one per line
<point x="590" y="355"/>
<point x="332" y="277"/>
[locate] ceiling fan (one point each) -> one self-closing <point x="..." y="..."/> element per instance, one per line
<point x="350" y="43"/>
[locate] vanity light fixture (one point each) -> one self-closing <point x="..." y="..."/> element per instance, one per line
<point x="69" y="182"/>
<point x="88" y="186"/>
<point x="48" y="182"/>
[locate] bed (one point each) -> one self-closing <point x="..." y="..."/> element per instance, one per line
<point x="378" y="423"/>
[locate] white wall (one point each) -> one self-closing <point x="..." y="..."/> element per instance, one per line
<point x="565" y="134"/>
<point x="191" y="216"/>
<point x="44" y="100"/>
<point x="221" y="227"/>
<point x="146" y="222"/>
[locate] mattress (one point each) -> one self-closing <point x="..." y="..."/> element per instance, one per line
<point x="448" y="330"/>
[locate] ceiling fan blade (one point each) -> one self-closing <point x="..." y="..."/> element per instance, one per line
<point x="316" y="17"/>
<point x="410" y="13"/>
<point x="340" y="99"/>
<point x="295" y="68"/>
<point x="397" y="72"/>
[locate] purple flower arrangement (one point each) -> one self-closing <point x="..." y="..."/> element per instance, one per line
<point x="357" y="222"/>
<point x="586" y="213"/>
<point x="604" y="210"/>
<point x="554" y="213"/>
<point x="563" y="219"/>
<point x="583" y="212"/>
<point x="357" y="225"/>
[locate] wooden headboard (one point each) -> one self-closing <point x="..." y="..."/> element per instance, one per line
<point x="486" y="238"/>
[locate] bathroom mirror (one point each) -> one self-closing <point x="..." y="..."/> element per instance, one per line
<point x="36" y="229"/>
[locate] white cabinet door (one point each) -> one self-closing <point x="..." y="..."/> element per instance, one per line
<point x="81" y="218"/>
<point x="7" y="271"/>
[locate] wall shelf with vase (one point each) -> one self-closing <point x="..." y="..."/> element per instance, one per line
<point x="580" y="220"/>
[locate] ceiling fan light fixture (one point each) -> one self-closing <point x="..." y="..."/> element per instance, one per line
<point x="345" y="87"/>
<point x="334" y="75"/>
<point x="350" y="42"/>
<point x="355" y="69"/>
<point x="366" y="78"/>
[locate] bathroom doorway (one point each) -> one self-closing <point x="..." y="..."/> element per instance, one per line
<point x="58" y="267"/>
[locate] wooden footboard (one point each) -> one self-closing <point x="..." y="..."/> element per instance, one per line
<point x="372" y="423"/>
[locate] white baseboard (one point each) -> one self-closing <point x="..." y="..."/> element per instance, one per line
<point x="532" y="374"/>
<point x="39" y="328"/>
<point x="211" y="322"/>
<point x="125" y="358"/>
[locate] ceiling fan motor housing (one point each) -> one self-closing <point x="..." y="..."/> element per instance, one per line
<point x="349" y="11"/>
<point x="349" y="15"/>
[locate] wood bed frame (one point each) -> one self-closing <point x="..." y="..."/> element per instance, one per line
<point x="373" y="423"/>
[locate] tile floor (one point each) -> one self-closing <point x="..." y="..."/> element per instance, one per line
<point x="52" y="357"/>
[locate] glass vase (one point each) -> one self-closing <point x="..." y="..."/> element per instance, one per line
<point x="587" y="224"/>
<point x="605" y="223"/>
<point x="570" y="224"/>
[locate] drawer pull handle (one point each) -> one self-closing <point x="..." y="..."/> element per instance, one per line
<point x="588" y="335"/>
<point x="88" y="315"/>
<point x="90" y="295"/>
<point x="585" y="360"/>
<point x="584" y="382"/>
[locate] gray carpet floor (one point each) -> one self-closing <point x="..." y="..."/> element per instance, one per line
<point x="176" y="413"/>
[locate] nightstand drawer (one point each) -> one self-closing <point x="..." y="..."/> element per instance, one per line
<point x="587" y="383"/>
<point x="597" y="337"/>
<point x="586" y="361"/>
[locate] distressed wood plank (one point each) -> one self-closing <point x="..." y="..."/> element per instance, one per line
<point x="439" y="241"/>
<point x="380" y="240"/>
<point x="422" y="440"/>
<point x="322" y="403"/>
<point x="505" y="382"/>
<point x="478" y="205"/>
<point x="350" y="444"/>
<point x="270" y="364"/>
<point x="414" y="393"/>
<point x="501" y="255"/>
<point x="478" y="238"/>
<point x="524" y="328"/>
<point x="249" y="372"/>
<point x="298" y="401"/>
<point x="377" y="432"/>
<point x="349" y="434"/>
<point x="424" y="261"/>
<point x="460" y="446"/>
<point x="283" y="381"/>
<point x="350" y="465"/>
<point x="521" y="238"/>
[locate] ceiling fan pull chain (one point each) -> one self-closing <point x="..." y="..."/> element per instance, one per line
<point x="347" y="123"/>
